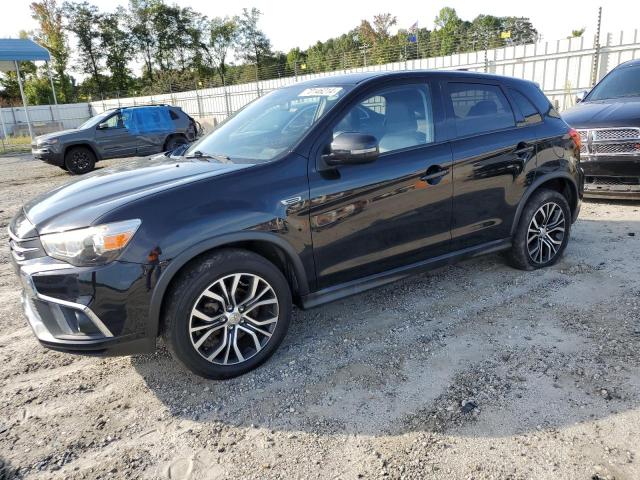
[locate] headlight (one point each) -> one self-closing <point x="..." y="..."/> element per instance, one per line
<point x="48" y="141"/>
<point x="90" y="246"/>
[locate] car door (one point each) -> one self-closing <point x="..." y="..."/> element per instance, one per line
<point x="153" y="124"/>
<point x="114" y="139"/>
<point x="370" y="218"/>
<point x="493" y="160"/>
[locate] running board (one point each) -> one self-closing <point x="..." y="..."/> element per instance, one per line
<point x="354" y="287"/>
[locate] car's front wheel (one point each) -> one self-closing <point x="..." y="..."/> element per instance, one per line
<point x="543" y="231"/>
<point x="227" y="313"/>
<point x="79" y="160"/>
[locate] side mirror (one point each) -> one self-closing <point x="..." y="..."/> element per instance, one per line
<point x="103" y="126"/>
<point x="351" y="148"/>
<point x="580" y="96"/>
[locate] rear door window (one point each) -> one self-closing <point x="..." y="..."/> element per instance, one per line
<point x="479" y="108"/>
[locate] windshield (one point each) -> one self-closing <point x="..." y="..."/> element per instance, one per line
<point x="621" y="82"/>
<point x="270" y="126"/>
<point x="93" y="121"/>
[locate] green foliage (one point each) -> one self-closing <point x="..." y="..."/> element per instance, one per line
<point x="83" y="19"/>
<point x="51" y="35"/>
<point x="577" y="33"/>
<point x="179" y="48"/>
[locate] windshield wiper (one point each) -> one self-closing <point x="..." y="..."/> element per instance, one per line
<point x="209" y="156"/>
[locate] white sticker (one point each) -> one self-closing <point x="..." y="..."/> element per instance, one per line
<point x="320" y="92"/>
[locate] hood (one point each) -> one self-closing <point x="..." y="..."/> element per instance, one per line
<point x="617" y="112"/>
<point x="80" y="203"/>
<point x="61" y="133"/>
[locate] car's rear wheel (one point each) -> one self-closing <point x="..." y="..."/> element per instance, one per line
<point x="227" y="313"/>
<point x="79" y="160"/>
<point x="174" y="142"/>
<point x="543" y="231"/>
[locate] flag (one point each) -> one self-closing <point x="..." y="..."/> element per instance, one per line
<point x="413" y="27"/>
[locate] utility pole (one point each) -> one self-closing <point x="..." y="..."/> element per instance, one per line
<point x="364" y="53"/>
<point x="596" y="54"/>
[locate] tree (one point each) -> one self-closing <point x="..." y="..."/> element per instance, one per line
<point x="484" y="32"/>
<point x="51" y="35"/>
<point x="252" y="42"/>
<point x="449" y="31"/>
<point x="115" y="40"/>
<point x="577" y="33"/>
<point x="142" y="34"/>
<point x="223" y="35"/>
<point x="521" y="28"/>
<point x="83" y="19"/>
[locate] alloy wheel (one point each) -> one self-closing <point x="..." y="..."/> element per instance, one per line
<point x="80" y="161"/>
<point x="234" y="318"/>
<point x="546" y="233"/>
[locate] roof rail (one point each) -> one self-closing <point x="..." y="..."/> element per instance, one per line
<point x="145" y="105"/>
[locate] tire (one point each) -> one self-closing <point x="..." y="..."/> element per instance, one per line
<point x="63" y="167"/>
<point x="197" y="299"/>
<point x="79" y="160"/>
<point x="174" y="142"/>
<point x="543" y="231"/>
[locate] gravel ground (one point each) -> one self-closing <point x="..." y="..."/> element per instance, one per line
<point x="472" y="371"/>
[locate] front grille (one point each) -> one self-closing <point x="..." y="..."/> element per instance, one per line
<point x="615" y="134"/>
<point x="615" y="148"/>
<point x="613" y="180"/>
<point x="610" y="141"/>
<point x="584" y="135"/>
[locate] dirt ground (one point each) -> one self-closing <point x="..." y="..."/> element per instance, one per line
<point x="473" y="371"/>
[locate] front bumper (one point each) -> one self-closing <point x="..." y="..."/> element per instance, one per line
<point x="47" y="154"/>
<point x="99" y="310"/>
<point x="613" y="178"/>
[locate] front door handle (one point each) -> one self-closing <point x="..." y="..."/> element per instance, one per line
<point x="434" y="174"/>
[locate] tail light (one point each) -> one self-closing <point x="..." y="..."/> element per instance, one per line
<point x="575" y="136"/>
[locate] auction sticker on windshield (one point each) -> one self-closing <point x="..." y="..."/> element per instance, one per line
<point x="320" y="92"/>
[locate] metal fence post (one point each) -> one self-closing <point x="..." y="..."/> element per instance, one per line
<point x="257" y="80"/>
<point x="596" y="54"/>
<point x="198" y="100"/>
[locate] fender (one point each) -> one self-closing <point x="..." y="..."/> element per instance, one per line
<point x="179" y="261"/>
<point x="534" y="186"/>
<point x="83" y="143"/>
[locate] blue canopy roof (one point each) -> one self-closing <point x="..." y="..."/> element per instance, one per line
<point x="22" y="50"/>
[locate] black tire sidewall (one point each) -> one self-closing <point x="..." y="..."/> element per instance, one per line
<point x="175" y="142"/>
<point x="190" y="287"/>
<point x="520" y="257"/>
<point x="69" y="166"/>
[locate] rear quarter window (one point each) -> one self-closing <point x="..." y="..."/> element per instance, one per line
<point x="527" y="108"/>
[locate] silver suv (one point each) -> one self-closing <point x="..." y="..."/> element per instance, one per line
<point x="121" y="132"/>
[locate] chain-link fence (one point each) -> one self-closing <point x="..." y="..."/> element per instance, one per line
<point x="562" y="69"/>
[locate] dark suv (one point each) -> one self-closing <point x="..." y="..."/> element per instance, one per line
<point x="608" y="121"/>
<point x="123" y="132"/>
<point x="311" y="193"/>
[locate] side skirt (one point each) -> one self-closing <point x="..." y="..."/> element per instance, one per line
<point x="354" y="287"/>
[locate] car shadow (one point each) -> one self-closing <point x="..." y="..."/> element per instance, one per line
<point x="477" y="348"/>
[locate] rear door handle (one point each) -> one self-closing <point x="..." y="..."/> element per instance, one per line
<point x="523" y="150"/>
<point x="434" y="174"/>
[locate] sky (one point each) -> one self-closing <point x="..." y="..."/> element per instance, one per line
<point x="300" y="24"/>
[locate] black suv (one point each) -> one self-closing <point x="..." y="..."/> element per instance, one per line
<point x="121" y="132"/>
<point x="313" y="192"/>
<point x="608" y="121"/>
